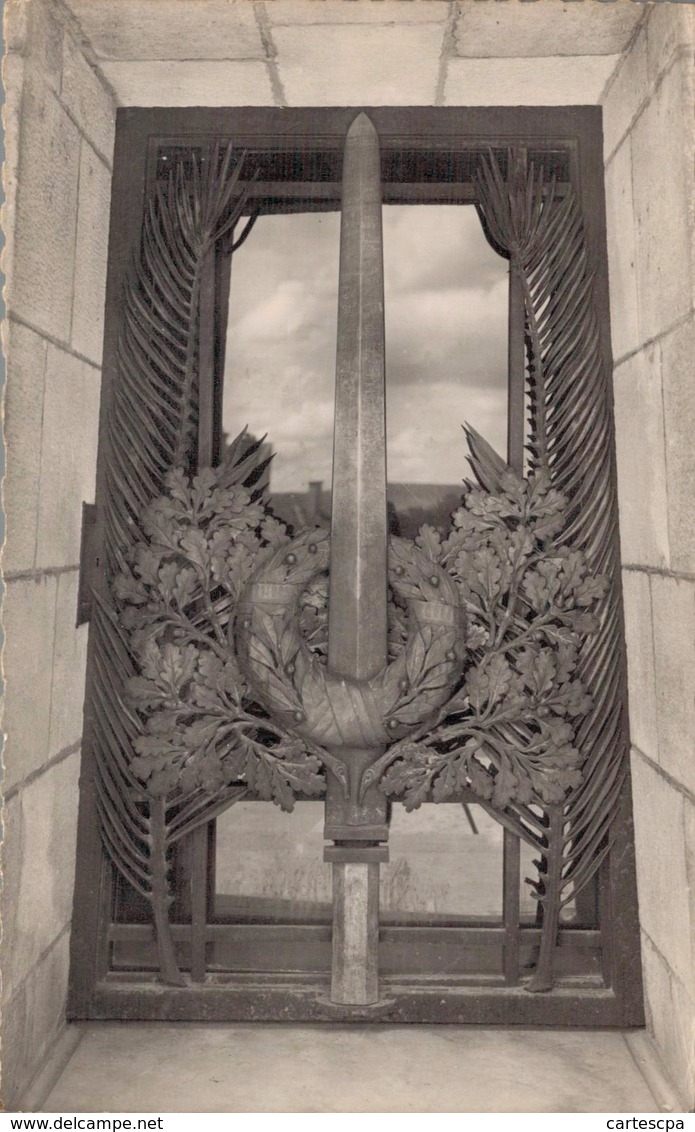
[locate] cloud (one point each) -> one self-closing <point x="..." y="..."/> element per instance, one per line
<point x="449" y="334"/>
<point x="446" y="326"/>
<point x="426" y="443"/>
<point x="438" y="247"/>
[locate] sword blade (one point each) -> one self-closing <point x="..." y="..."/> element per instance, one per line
<point x="357" y="629"/>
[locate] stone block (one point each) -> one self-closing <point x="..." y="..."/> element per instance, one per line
<point x="26" y="364"/>
<point x="69" y="663"/>
<point x="205" y="83"/>
<point x="627" y="91"/>
<point x="91" y="252"/>
<point x="640" y="662"/>
<point x="664" y="893"/>
<point x="86" y="97"/>
<point x="45" y="218"/>
<point x="640" y="448"/>
<point x="677" y="354"/>
<point x="620" y="233"/>
<point x="689" y="814"/>
<point x="670" y="28"/>
<point x="13" y="70"/>
<point x="28" y="616"/>
<point x="670" y="1013"/>
<point x="544" y="29"/>
<point x="292" y="12"/>
<point x="662" y="146"/>
<point x="673" y="602"/>
<point x="11" y="876"/>
<point x="44" y="42"/>
<point x="553" y="81"/>
<point x="39" y="868"/>
<point x="355" y="64"/>
<point x="16" y="25"/>
<point x="32" y="1023"/>
<point x="170" y="29"/>
<point x="17" y="1068"/>
<point x="68" y="456"/>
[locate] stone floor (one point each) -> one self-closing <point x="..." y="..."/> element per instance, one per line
<point x="121" y="1067"/>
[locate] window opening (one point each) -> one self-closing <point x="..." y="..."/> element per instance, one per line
<point x="446" y="300"/>
<point x="190" y="935"/>
<point x="280" y="357"/>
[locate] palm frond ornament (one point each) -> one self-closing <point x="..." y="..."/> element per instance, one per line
<point x="570" y="439"/>
<point x="155" y="745"/>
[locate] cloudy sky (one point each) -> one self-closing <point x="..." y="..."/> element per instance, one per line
<point x="446" y="341"/>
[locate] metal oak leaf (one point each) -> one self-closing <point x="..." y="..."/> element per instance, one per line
<point x="507" y="733"/>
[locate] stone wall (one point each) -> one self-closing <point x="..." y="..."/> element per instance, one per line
<point x="649" y="133"/>
<point x="60" y="126"/>
<point x="364" y="53"/>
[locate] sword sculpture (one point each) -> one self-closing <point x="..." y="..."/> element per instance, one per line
<point x="357" y="631"/>
<point x="360" y="703"/>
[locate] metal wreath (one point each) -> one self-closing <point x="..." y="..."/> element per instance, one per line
<point x="330" y="710"/>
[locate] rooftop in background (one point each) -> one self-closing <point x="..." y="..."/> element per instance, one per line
<point x="410" y="505"/>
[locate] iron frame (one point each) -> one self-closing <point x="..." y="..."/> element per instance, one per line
<point x="94" y="991"/>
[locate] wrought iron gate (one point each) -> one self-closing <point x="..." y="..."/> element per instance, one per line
<point x="501" y="681"/>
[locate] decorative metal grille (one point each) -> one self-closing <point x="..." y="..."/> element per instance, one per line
<point x="503" y="683"/>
